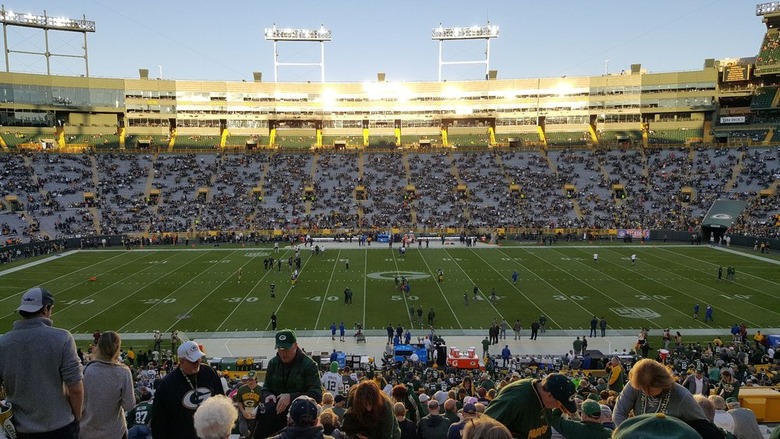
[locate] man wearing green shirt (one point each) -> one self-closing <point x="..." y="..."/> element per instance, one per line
<point x="588" y="428"/>
<point x="525" y="406"/>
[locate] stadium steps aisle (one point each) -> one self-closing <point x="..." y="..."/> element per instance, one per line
<point x="312" y="179"/>
<point x="147" y="188"/>
<point x="553" y="167"/>
<point x="260" y="184"/>
<point x="96" y="220"/>
<point x="456" y="174"/>
<point x="735" y="172"/>
<point x="361" y="214"/>
<point x="408" y="172"/>
<point x="95" y="174"/>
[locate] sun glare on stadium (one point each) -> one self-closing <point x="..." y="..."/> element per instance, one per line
<point x="328" y="99"/>
<point x="451" y="92"/>
<point x="562" y="89"/>
<point x="378" y="91"/>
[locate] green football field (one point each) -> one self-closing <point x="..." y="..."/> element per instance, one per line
<point x="199" y="290"/>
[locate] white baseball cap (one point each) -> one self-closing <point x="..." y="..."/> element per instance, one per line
<point x="190" y="351"/>
<point x="34" y="299"/>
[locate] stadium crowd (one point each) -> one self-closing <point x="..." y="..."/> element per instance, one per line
<point x="65" y="195"/>
<point x="114" y="391"/>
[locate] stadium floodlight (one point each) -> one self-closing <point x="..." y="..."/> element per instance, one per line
<point x="465" y="33"/>
<point x="46" y="23"/>
<point x="320" y="35"/>
<point x="288" y="34"/>
<point x="767" y="8"/>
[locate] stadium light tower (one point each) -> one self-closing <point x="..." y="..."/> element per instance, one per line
<point x="10" y="18"/>
<point x="465" y="33"/>
<point x="320" y="35"/>
<point x="767" y="8"/>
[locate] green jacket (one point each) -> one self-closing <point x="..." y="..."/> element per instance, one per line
<point x="520" y="409"/>
<point x="300" y="377"/>
<point x="579" y="430"/>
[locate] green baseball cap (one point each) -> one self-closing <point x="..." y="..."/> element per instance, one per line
<point x="561" y="389"/>
<point x="655" y="426"/>
<point x="591" y="408"/>
<point x="285" y="339"/>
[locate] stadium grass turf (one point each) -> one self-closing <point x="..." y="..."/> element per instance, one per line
<point x="199" y="290"/>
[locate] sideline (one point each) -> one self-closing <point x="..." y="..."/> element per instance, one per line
<point x="747" y="255"/>
<point x="38" y="262"/>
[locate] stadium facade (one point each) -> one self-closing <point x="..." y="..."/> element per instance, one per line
<point x="631" y="108"/>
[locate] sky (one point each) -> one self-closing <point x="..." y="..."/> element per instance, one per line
<point x="223" y="41"/>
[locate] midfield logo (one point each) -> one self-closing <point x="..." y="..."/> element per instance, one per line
<point x="636" y="313"/>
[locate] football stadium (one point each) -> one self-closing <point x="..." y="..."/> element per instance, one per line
<point x="221" y="212"/>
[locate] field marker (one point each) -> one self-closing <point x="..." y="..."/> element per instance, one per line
<point x="325" y="296"/>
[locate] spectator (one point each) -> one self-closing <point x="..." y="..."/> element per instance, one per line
<point x="468" y="413"/>
<point x="433" y="425"/>
<point x="652" y="389"/>
<point x="589" y="427"/>
<point x="655" y="425"/>
<point x="215" y="418"/>
<point x="247" y="399"/>
<point x="38" y="362"/>
<point x="485" y="427"/>
<point x="370" y="413"/>
<point x="139" y="418"/>
<point x="745" y="423"/>
<point x="290" y="374"/>
<point x="330" y="423"/>
<point x="400" y="394"/>
<point x="525" y="405"/>
<point x="181" y="392"/>
<point x="720" y="417"/>
<point x="408" y="428"/>
<point x="108" y="391"/>
<point x="303" y="421"/>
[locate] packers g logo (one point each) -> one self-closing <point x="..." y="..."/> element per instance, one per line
<point x="391" y="275"/>
<point x="195" y="397"/>
<point x="722" y="216"/>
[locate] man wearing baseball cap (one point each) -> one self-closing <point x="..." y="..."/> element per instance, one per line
<point x="36" y="362"/>
<point x="304" y="420"/>
<point x="290" y="374"/>
<point x="181" y="392"/>
<point x="589" y="428"/>
<point x="655" y="425"/>
<point x="248" y="400"/>
<point x="525" y="406"/>
<point x="468" y="412"/>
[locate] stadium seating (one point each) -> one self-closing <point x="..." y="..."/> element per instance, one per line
<point x="200" y="142"/>
<point x="763" y="98"/>
<point x="769" y="54"/>
<point x="140" y="193"/>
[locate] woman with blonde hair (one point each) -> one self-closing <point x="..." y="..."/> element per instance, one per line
<point x="652" y="389"/>
<point x="108" y="392"/>
<point x="330" y="423"/>
<point x="485" y="427"/>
